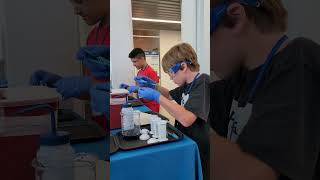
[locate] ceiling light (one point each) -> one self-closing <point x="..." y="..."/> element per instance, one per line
<point x="141" y="36"/>
<point x="156" y="20"/>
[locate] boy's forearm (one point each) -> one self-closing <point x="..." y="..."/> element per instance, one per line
<point x="164" y="92"/>
<point x="185" y="117"/>
<point x="231" y="163"/>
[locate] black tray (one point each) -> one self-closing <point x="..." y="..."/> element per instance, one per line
<point x="135" y="103"/>
<point x="80" y="130"/>
<point x="83" y="132"/>
<point x="136" y="144"/>
<point x="113" y="144"/>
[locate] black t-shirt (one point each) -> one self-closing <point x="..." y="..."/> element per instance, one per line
<point x="283" y="130"/>
<point x="199" y="104"/>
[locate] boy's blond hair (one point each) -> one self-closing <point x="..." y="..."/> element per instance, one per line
<point x="271" y="16"/>
<point x="180" y="53"/>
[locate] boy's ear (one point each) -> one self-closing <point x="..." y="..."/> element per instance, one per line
<point x="183" y="67"/>
<point x="237" y="12"/>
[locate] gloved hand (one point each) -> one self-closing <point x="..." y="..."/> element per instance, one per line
<point x="123" y="86"/>
<point x="97" y="59"/>
<point x="44" y="78"/>
<point x="133" y="89"/>
<point x="96" y="50"/>
<point x="149" y="94"/>
<point x="73" y="86"/>
<point x="100" y="96"/>
<point x="144" y="81"/>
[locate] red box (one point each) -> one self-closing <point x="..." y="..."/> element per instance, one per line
<point x="115" y="117"/>
<point x="19" y="141"/>
<point x="17" y="153"/>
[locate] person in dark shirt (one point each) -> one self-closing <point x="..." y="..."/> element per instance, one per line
<point x="263" y="110"/>
<point x="192" y="97"/>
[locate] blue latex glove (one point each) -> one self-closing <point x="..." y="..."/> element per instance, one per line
<point x="133" y="89"/>
<point x="73" y="86"/>
<point x="44" y="78"/>
<point x="100" y="98"/>
<point x="144" y="81"/>
<point x="97" y="59"/>
<point x="149" y="94"/>
<point x="123" y="86"/>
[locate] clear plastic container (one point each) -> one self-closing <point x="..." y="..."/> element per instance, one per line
<point x="162" y="130"/>
<point x="80" y="169"/>
<point x="57" y="157"/>
<point x="128" y="126"/>
<point x="136" y="119"/>
<point x="153" y="120"/>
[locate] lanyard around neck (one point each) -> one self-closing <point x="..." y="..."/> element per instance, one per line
<point x="266" y="64"/>
<point x="193" y="81"/>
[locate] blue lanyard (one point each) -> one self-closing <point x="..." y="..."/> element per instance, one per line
<point x="266" y="65"/>
<point x="194" y="80"/>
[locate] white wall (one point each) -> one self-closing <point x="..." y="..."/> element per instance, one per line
<point x="40" y="35"/>
<point x="1" y="30"/>
<point x="304" y="18"/>
<point x="195" y="16"/>
<point x="203" y="35"/>
<point x="122" y="42"/>
<point x="147" y="44"/>
<point x="2" y="35"/>
<point x="167" y="40"/>
<point x="189" y="22"/>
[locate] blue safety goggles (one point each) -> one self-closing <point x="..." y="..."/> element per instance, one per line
<point x="175" y="68"/>
<point x="218" y="12"/>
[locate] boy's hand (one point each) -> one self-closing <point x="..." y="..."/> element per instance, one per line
<point x="143" y="81"/>
<point x="73" y="86"/>
<point x="149" y="94"/>
<point x="100" y="95"/>
<point x="133" y="89"/>
<point x="96" y="59"/>
<point x="93" y="51"/>
<point x="44" y="78"/>
<point x="123" y="86"/>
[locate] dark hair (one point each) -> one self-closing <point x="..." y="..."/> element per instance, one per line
<point x="137" y="53"/>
